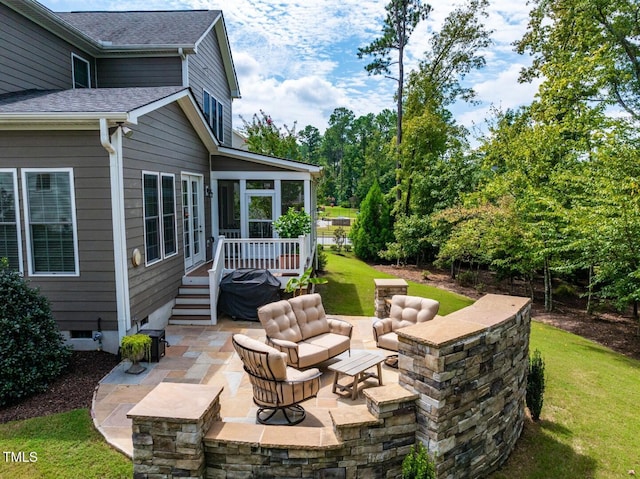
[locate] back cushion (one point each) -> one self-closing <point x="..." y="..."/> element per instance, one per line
<point x="258" y="364"/>
<point x="279" y="322"/>
<point x="408" y="310"/>
<point x="310" y="315"/>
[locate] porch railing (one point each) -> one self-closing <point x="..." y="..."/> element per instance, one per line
<point x="282" y="257"/>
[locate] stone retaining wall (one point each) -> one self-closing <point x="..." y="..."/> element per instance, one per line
<point x="469" y="369"/>
<point x="366" y="442"/>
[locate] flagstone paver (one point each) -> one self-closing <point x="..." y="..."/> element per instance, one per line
<point x="205" y="355"/>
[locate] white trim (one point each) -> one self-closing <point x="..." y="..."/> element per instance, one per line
<point x="187" y="176"/>
<point x="73" y="70"/>
<point x="259" y="175"/>
<point x="175" y="216"/>
<point x="144" y="218"/>
<point x="269" y="160"/>
<point x="120" y="255"/>
<point x="25" y="199"/>
<point x="16" y="206"/>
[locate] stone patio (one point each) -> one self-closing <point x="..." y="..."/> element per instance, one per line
<point x="205" y="355"/>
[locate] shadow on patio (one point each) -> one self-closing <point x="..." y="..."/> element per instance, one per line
<point x="205" y="355"/>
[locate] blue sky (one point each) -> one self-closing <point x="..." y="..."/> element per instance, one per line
<point x="297" y="59"/>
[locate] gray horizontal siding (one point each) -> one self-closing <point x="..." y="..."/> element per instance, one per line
<point x="76" y="302"/>
<point x="163" y="142"/>
<point x="139" y="72"/>
<point x="206" y="72"/>
<point x="32" y="57"/>
<point x="222" y="163"/>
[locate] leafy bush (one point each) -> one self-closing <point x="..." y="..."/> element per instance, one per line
<point x="32" y="350"/>
<point x="417" y="464"/>
<point x="293" y="224"/>
<point x="535" y="385"/>
<point x="322" y="258"/>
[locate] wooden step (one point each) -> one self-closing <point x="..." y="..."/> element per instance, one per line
<point x="202" y="320"/>
<point x="193" y="299"/>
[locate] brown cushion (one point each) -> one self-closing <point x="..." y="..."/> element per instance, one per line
<point x="310" y="314"/>
<point x="310" y="354"/>
<point x="335" y="343"/>
<point x="260" y="364"/>
<point x="408" y="310"/>
<point x="279" y="321"/>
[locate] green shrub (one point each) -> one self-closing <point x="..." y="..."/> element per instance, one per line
<point x="322" y="258"/>
<point x="373" y="228"/>
<point x="417" y="464"/>
<point x="425" y="274"/>
<point x="535" y="385"/>
<point x="32" y="350"/>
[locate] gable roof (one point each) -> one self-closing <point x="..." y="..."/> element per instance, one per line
<point x="86" y="100"/>
<point x="108" y="34"/>
<point x="179" y="28"/>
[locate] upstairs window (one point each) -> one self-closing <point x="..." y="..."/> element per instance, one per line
<point x="50" y="215"/>
<point x="9" y="228"/>
<point x="214" y="114"/>
<point x="81" y="72"/>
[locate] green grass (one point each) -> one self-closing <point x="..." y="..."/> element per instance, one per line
<point x="337" y="211"/>
<point x="350" y="290"/>
<point x="589" y="422"/>
<point x="66" y="445"/>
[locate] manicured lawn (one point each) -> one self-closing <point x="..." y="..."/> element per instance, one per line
<point x="590" y="420"/>
<point x="64" y="445"/>
<point x="337" y="211"/>
<point x="350" y="290"/>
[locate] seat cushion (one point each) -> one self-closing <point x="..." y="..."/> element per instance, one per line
<point x="334" y="343"/>
<point x="310" y="315"/>
<point x="279" y="321"/>
<point x="310" y="354"/>
<point x="388" y="341"/>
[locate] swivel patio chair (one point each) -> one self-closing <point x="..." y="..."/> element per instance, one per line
<point x="405" y="311"/>
<point x="276" y="386"/>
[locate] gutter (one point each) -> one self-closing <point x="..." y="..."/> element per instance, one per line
<point x="113" y="145"/>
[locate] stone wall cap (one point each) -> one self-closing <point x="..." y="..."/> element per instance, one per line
<point x="352" y="416"/>
<point x="235" y="432"/>
<point x="489" y="311"/>
<point x="392" y="282"/>
<point x="389" y="394"/>
<point x="176" y="402"/>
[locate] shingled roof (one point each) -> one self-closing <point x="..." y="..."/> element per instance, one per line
<point x="83" y="100"/>
<point x="175" y="27"/>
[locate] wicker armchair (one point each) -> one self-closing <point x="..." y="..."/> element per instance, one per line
<point x="276" y="386"/>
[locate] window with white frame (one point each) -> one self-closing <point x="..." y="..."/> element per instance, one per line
<point x="9" y="227"/>
<point x="50" y="216"/>
<point x="160" y="230"/>
<point x="214" y="114"/>
<point x="81" y="71"/>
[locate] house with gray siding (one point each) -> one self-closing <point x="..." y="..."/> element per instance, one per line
<point x="122" y="196"/>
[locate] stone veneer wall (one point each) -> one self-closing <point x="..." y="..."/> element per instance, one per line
<point x="385" y="289"/>
<point x="366" y="442"/>
<point x="469" y="369"/>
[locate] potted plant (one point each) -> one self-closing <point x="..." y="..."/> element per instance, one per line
<point x="135" y="348"/>
<point x="300" y="285"/>
<point x="292" y="224"/>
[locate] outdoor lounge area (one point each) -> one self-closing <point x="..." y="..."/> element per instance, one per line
<point x="459" y="388"/>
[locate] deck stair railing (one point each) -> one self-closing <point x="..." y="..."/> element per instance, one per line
<point x="284" y="257"/>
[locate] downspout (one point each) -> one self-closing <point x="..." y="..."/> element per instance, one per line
<point x="118" y="221"/>
<point x="185" y="67"/>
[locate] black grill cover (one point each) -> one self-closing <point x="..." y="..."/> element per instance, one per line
<point x="243" y="291"/>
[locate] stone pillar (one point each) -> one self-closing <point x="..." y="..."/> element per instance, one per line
<point x="385" y="289"/>
<point x="169" y="425"/>
<point x="470" y="371"/>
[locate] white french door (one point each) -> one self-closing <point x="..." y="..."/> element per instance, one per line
<point x="193" y="220"/>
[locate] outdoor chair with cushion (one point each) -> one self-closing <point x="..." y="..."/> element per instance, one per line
<point x="405" y="311"/>
<point x="276" y="386"/>
<point x="300" y="328"/>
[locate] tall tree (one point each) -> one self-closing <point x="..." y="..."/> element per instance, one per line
<point x="402" y="18"/>
<point x="586" y="50"/>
